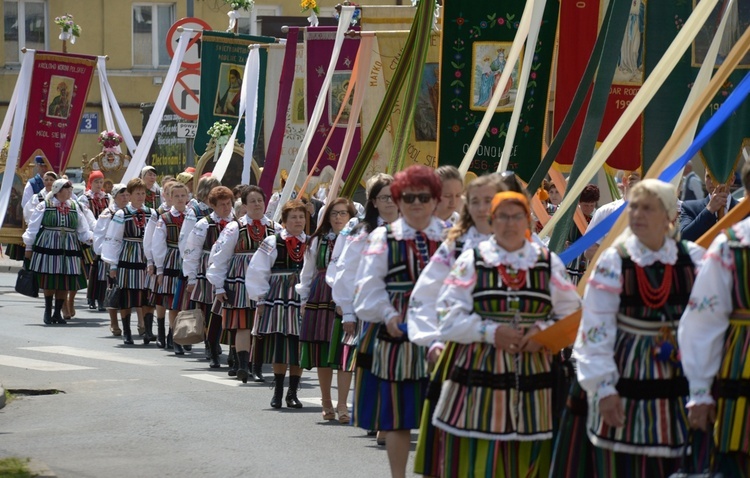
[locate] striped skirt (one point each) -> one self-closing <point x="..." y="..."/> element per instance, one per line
<point x="612" y="464"/>
<point x="234" y="319"/>
<point x="282" y="304"/>
<point x="342" y="347"/>
<point x="97" y="280"/>
<point x="280" y="349"/>
<point x="131" y="269"/>
<point x="132" y="298"/>
<point x="57" y="260"/>
<point x="88" y="254"/>
<point x="172" y="272"/>
<point x="493" y="458"/>
<point x="203" y="291"/>
<point x="234" y="285"/>
<point x="383" y="404"/>
<point x="732" y="429"/>
<point x="573" y="456"/>
<point x="60" y="282"/>
<point x="317" y="325"/>
<point x="15" y="252"/>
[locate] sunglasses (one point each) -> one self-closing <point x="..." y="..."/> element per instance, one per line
<point x="424" y="198"/>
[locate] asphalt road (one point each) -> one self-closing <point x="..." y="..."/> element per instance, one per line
<point x="138" y="411"/>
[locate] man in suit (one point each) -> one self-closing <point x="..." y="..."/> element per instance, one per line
<point x="699" y="215"/>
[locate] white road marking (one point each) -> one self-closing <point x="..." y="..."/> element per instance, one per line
<point x="41" y="365"/>
<point x="209" y="377"/>
<point x="90" y="354"/>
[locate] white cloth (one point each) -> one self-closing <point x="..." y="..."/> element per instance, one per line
<point x="371" y="300"/>
<point x="706" y="319"/>
<point x="602" y="213"/>
<point x="422" y="317"/>
<point x="595" y="341"/>
<point x="258" y="271"/>
<point x="223" y="250"/>
<point x="189" y="223"/>
<point x="32" y="229"/>
<point x="193" y="246"/>
<point x="455" y="304"/>
<point x="28" y="193"/>
<point x="148" y="235"/>
<point x="338" y="249"/>
<point x="309" y="270"/>
<point x="159" y="241"/>
<point x="102" y="223"/>
<point x="30" y="206"/>
<point x="113" y="238"/>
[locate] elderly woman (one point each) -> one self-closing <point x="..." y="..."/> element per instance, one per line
<point x="97" y="201"/>
<point x="391" y="371"/>
<point x="494" y="414"/>
<point x="628" y="361"/>
<point x="714" y="337"/>
<point x="197" y="249"/>
<point x="49" y="178"/>
<point x="53" y="241"/>
<point x="473" y="227"/>
<point x="270" y="281"/>
<point x="319" y="309"/>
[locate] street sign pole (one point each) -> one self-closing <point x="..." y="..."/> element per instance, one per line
<point x="190" y="158"/>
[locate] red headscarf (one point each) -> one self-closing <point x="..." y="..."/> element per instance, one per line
<point x="93" y="176"/>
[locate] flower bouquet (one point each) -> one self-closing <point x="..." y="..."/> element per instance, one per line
<point x="70" y="29"/>
<point x="234" y="14"/>
<point x="219" y="129"/>
<point x="109" y="140"/>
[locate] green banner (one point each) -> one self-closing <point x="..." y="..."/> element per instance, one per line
<point x="477" y="37"/>
<point x="663" y="21"/>
<point x="223" y="58"/>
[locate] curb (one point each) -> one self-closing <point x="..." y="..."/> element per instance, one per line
<point x="10" y="269"/>
<point x="2" y="397"/>
<point x="39" y="469"/>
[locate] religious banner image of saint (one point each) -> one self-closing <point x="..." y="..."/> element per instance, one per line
<point x="229" y="90"/>
<point x="425" y="118"/>
<point x="14" y="213"/>
<point x="339" y="85"/>
<point x="298" y="101"/>
<point x="630" y="66"/>
<point x="59" y="96"/>
<point x="738" y="20"/>
<point x="489" y="59"/>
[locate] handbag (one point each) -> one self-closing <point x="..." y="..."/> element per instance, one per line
<point x="188" y="329"/>
<point x="26" y="283"/>
<point x="112" y="297"/>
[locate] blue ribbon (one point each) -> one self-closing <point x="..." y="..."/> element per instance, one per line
<point x="732" y="103"/>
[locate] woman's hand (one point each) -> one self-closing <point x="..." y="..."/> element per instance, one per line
<point x="434" y="353"/>
<point x="508" y="339"/>
<point x="612" y="411"/>
<point x="159" y="280"/>
<point x="260" y="309"/>
<point x="27" y="255"/>
<point x="392" y="327"/>
<point x="220" y="298"/>
<point x="151" y="270"/>
<point x="702" y="417"/>
<point x="190" y="288"/>
<point x="528" y="345"/>
<point x="113" y="274"/>
<point x="349" y="327"/>
<point x="339" y="311"/>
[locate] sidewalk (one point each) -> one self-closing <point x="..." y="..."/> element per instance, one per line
<point x="7" y="265"/>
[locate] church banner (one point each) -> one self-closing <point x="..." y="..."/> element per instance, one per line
<point x="477" y="37"/>
<point x="59" y="88"/>
<point x="223" y="58"/>
<point x="318" y="49"/>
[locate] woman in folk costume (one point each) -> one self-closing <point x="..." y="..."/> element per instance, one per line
<point x="391" y="376"/>
<point x="97" y="201"/>
<point x="53" y="241"/>
<point x="626" y="351"/>
<point x="197" y="249"/>
<point x="123" y="251"/>
<point x="342" y="271"/>
<point x="120" y="199"/>
<point x="319" y="309"/>
<point x="153" y="193"/>
<point x="494" y="413"/>
<point x="714" y="337"/>
<point x="167" y="258"/>
<point x="271" y="277"/>
<point x="473" y="227"/>
<point x="238" y="243"/>
<point x="451" y="199"/>
<point x="49" y="178"/>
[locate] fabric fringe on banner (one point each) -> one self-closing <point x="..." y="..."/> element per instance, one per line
<point x="344" y="21"/>
<point x="149" y="132"/>
<point x="21" y="96"/>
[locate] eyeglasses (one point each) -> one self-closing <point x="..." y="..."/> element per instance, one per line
<point x="339" y="213"/>
<point x="510" y="218"/>
<point x="384" y="198"/>
<point x="424" y="198"/>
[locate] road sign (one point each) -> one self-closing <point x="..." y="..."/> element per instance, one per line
<point x="184" y="100"/>
<point x="89" y="123"/>
<point x="192" y="57"/>
<point x="186" y="130"/>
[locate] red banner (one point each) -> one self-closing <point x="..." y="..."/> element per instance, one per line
<point x="579" y="23"/>
<point x="59" y="88"/>
<point x="319" y="47"/>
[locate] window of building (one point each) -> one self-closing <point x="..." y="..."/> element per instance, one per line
<point x="150" y="26"/>
<point x="25" y="27"/>
<point x="249" y="22"/>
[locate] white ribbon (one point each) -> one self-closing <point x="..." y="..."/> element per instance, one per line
<point x="17" y="110"/>
<point x="313" y="19"/>
<point x="127" y="136"/>
<point x="109" y="124"/>
<point x="528" y="61"/>
<point x="67" y="36"/>
<point x="346" y="16"/>
<point x="149" y="132"/>
<point x="233" y="15"/>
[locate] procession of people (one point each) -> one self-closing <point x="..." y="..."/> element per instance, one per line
<point x="428" y="303"/>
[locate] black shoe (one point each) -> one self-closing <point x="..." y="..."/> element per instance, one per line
<point x="242" y="369"/>
<point x="258" y="373"/>
<point x="92" y="306"/>
<point x="57" y="317"/>
<point x="170" y="344"/>
<point x="187" y="348"/>
<point x="161" y="334"/>
<point x="291" y="395"/>
<point x="178" y="349"/>
<point x="101" y="307"/>
<point x="232" y="362"/>
<point x="48" y="309"/>
<point x="214" y="362"/>
<point x="213" y="352"/>
<point x="127" y="334"/>
<point x="278" y="390"/>
<point x="148" y="320"/>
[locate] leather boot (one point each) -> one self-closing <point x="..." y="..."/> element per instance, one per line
<point x="243" y="359"/>
<point x="258" y="372"/>
<point x="278" y="390"/>
<point x="178" y="349"/>
<point x="291" y="395"/>
<point x="161" y="334"/>
<point x="127" y="334"/>
<point x="232" y="362"/>
<point x="48" y="309"/>
<point x="169" y="339"/>
<point x="148" y="322"/>
<point x="213" y="354"/>
<point x="57" y="317"/>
